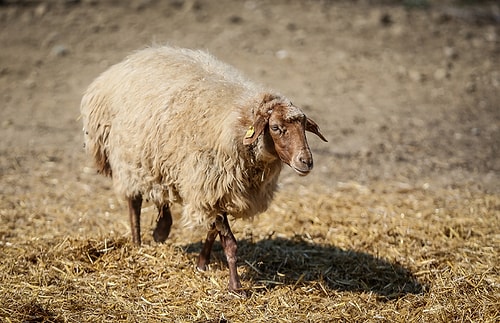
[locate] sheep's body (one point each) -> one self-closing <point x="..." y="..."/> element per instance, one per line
<point x="176" y="125"/>
<point x="167" y="124"/>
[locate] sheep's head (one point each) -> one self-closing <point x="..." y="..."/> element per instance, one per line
<point x="283" y="128"/>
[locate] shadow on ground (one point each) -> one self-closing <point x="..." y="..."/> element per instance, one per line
<point x="277" y="261"/>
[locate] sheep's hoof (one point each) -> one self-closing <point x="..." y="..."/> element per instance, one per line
<point x="202" y="263"/>
<point x="160" y="235"/>
<point x="163" y="225"/>
<point x="202" y="268"/>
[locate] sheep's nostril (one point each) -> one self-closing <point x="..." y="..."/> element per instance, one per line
<point x="306" y="161"/>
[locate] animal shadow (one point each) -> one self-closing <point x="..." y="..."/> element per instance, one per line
<point x="294" y="262"/>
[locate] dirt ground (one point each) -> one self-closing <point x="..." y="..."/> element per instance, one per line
<point x="407" y="93"/>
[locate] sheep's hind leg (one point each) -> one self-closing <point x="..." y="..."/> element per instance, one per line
<point x="163" y="225"/>
<point x="230" y="247"/>
<point x="204" y="257"/>
<point x="134" y="209"/>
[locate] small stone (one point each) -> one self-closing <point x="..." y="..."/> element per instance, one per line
<point x="282" y="54"/>
<point x="470" y="87"/>
<point x="416" y="76"/>
<point x="440" y="74"/>
<point x="236" y="20"/>
<point x="291" y="26"/>
<point x="140" y="5"/>
<point x="4" y="70"/>
<point x="7" y="123"/>
<point x="59" y="51"/>
<point x="450" y="52"/>
<point x="30" y="83"/>
<point x="386" y="20"/>
<point x="177" y="4"/>
<point x="41" y="10"/>
<point x="491" y="36"/>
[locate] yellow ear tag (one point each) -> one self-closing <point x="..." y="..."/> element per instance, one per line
<point x="250" y="132"/>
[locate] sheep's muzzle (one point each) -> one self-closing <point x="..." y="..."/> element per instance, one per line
<point x="302" y="163"/>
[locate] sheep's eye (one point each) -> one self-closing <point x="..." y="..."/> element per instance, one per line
<point x="275" y="128"/>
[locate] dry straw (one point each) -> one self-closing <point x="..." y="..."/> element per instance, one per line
<point x="359" y="253"/>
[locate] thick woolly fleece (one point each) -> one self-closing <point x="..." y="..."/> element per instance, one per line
<point x="169" y="124"/>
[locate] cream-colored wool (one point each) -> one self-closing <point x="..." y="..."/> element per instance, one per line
<point x="169" y="123"/>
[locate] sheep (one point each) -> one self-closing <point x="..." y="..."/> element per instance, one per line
<point x="177" y="125"/>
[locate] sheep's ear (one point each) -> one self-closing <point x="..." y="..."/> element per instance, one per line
<point x="261" y="114"/>
<point x="311" y="126"/>
<point x="254" y="131"/>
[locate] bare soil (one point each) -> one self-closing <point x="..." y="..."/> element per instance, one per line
<point x="399" y="220"/>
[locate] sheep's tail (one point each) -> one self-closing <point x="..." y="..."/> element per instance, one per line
<point x="96" y="128"/>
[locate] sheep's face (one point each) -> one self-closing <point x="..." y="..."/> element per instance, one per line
<point x="283" y="127"/>
<point x="287" y="125"/>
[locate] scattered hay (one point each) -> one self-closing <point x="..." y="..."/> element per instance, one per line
<point x="355" y="254"/>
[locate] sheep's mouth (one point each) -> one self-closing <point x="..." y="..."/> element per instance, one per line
<point x="301" y="172"/>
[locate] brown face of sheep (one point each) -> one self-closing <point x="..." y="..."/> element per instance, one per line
<point x="286" y="126"/>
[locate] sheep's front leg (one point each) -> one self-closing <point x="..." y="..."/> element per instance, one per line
<point x="204" y="257"/>
<point x="230" y="247"/>
<point x="163" y="225"/>
<point x="134" y="209"/>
